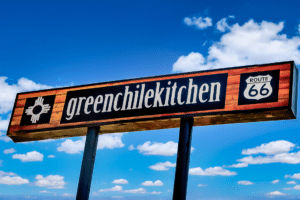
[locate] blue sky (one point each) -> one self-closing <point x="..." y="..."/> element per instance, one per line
<point x="55" y="44"/>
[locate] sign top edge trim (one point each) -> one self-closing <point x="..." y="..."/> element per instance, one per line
<point x="160" y="76"/>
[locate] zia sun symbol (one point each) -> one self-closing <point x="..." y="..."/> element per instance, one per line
<point x="37" y="109"/>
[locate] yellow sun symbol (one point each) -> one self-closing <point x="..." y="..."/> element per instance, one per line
<point x="37" y="109"/>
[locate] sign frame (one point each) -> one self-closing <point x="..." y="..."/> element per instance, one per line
<point x="284" y="108"/>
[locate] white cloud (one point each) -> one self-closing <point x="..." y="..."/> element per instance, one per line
<point x="137" y="191"/>
<point x="117" y="197"/>
<point x="211" y="171"/>
<point x="4" y="138"/>
<point x="117" y="188"/>
<point x="67" y="195"/>
<point x="109" y="141"/>
<point x="44" y="141"/>
<point x="275" y="181"/>
<point x="291" y="182"/>
<point x="162" y="166"/>
<point x="16" y="180"/>
<point x="8" y="92"/>
<point x="290" y="158"/>
<point x="299" y="28"/>
<point x="288" y="188"/>
<point x="51" y="181"/>
<point x="8" y="151"/>
<point x="191" y="62"/>
<point x="200" y="23"/>
<point x="222" y="25"/>
<point x="295" y="176"/>
<point x="4" y="124"/>
<point x="3" y="173"/>
<point x="131" y="147"/>
<point x="163" y="149"/>
<point x="296" y="187"/>
<point x="275" y="193"/>
<point x="201" y="185"/>
<point x="275" y="147"/>
<point x="247" y="44"/>
<point x="245" y="183"/>
<point x="32" y="156"/>
<point x="151" y="183"/>
<point x="239" y="165"/>
<point x="44" y="191"/>
<point x="51" y="156"/>
<point x="120" y="181"/>
<point x="72" y="147"/>
<point x="154" y="192"/>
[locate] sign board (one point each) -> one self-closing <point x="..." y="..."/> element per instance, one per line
<point x="242" y="94"/>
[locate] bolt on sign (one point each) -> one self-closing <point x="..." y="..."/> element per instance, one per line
<point x="232" y="95"/>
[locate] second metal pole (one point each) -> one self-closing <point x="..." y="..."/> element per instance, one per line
<point x="183" y="158"/>
<point x="87" y="166"/>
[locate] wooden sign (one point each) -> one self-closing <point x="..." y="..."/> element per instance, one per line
<point x="243" y="94"/>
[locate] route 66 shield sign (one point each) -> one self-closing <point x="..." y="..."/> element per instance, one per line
<point x="259" y="87"/>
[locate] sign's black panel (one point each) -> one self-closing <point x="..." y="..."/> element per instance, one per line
<point x="259" y="87"/>
<point x="148" y="98"/>
<point x="37" y="110"/>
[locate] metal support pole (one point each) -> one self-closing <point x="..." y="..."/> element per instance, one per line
<point x="87" y="166"/>
<point x="183" y="158"/>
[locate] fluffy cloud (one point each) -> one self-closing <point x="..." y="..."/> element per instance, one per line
<point x="239" y="165"/>
<point x="154" y="192"/>
<point x="10" y="178"/>
<point x="247" y="44"/>
<point x="296" y="187"/>
<point x="162" y="166"/>
<point x="211" y="171"/>
<point x="120" y="181"/>
<point x="291" y="182"/>
<point x="151" y="183"/>
<point x="295" y="176"/>
<point x="16" y="180"/>
<point x="8" y="92"/>
<point x="109" y="141"/>
<point x="32" y="156"/>
<point x="72" y="147"/>
<point x="51" y="181"/>
<point x="4" y="138"/>
<point x="200" y="23"/>
<point x="4" y="124"/>
<point x="275" y="193"/>
<point x="3" y="173"/>
<point x="275" y="181"/>
<point x="245" y="183"/>
<point x="44" y="191"/>
<point x="191" y="62"/>
<point x="163" y="149"/>
<point x="8" y="151"/>
<point x="51" y="156"/>
<point x="113" y="189"/>
<point x="222" y="25"/>
<point x="67" y="195"/>
<point x="131" y="147"/>
<point x="119" y="188"/>
<point x="290" y="158"/>
<point x="136" y="191"/>
<point x="279" y="146"/>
